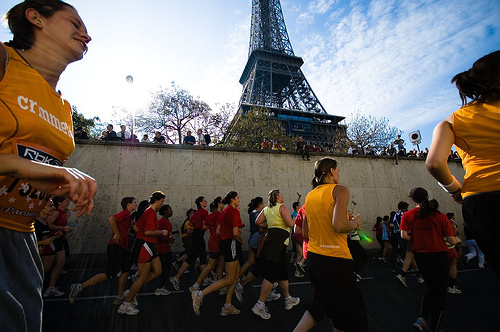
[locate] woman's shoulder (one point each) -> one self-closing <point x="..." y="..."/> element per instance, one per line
<point x="3" y="59"/>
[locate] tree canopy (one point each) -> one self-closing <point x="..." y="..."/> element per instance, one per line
<point x="92" y="126"/>
<point x="364" y="131"/>
<point x="250" y="129"/>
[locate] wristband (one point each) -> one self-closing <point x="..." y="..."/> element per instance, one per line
<point x="451" y="188"/>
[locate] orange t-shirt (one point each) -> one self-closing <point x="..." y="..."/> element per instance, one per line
<point x="323" y="239"/>
<point x="476" y="127"/>
<point x="36" y="124"/>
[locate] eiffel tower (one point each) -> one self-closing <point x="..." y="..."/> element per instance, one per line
<point x="272" y="79"/>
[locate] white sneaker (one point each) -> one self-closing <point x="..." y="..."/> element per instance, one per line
<point x="420" y="280"/>
<point x="52" y="291"/>
<point x="223" y="291"/>
<point x="291" y="302"/>
<point x="161" y="291"/>
<point x="261" y="311"/>
<point x="298" y="274"/>
<point x="454" y="290"/>
<point x="175" y="283"/>
<point x="402" y="279"/>
<point x="194" y="288"/>
<point x="119" y="299"/>
<point x="273" y="296"/>
<point x="134" y="268"/>
<point x="74" y="291"/>
<point x="127" y="308"/>
<point x="207" y="281"/>
<point x="134" y="300"/>
<point x="229" y="310"/>
<point x="197" y="302"/>
<point x="238" y="291"/>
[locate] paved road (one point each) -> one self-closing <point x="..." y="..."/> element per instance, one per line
<point x="391" y="307"/>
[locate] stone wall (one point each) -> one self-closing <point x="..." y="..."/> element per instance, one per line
<point x="184" y="173"/>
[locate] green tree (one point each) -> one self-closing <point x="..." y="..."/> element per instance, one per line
<point x="364" y="131"/>
<point x="249" y="130"/>
<point x="92" y="126"/>
<point x="171" y="111"/>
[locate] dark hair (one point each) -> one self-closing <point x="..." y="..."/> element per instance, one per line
<point x="379" y="220"/>
<point x="156" y="196"/>
<point x="450" y="215"/>
<point x="385" y="218"/>
<point x="295" y="205"/>
<point x="254" y="203"/>
<point x="22" y="28"/>
<point x="392" y="214"/>
<point x="229" y="196"/>
<point x="321" y="168"/>
<point x="403" y="205"/>
<point x="272" y="197"/>
<point x="188" y="212"/>
<point x="164" y="209"/>
<point x="434" y="204"/>
<point x="481" y="82"/>
<point x="215" y="203"/>
<point x="421" y="197"/>
<point x="58" y="200"/>
<point x="198" y="201"/>
<point x="126" y="201"/>
<point x="143" y="205"/>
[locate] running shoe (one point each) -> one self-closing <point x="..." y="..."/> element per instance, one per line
<point x="302" y="266"/>
<point x="481" y="266"/>
<point x="273" y="296"/>
<point x="175" y="265"/>
<point x="74" y="291"/>
<point x="238" y="291"/>
<point x="134" y="268"/>
<point x="162" y="291"/>
<point x="127" y="308"/>
<point x="402" y="279"/>
<point x="298" y="274"/>
<point x="197" y="301"/>
<point x="420" y="280"/>
<point x="421" y="325"/>
<point x="207" y="282"/>
<point x="134" y="300"/>
<point x="454" y="290"/>
<point x="52" y="291"/>
<point x="223" y="291"/>
<point x="135" y="276"/>
<point x="291" y="302"/>
<point x="119" y="299"/>
<point x="261" y="311"/>
<point x="194" y="288"/>
<point x="275" y="285"/>
<point x="229" y="310"/>
<point x="175" y="283"/>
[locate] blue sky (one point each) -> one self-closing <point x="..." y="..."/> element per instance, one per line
<point x="384" y="58"/>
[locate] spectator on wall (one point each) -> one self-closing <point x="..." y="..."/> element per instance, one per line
<point x="189" y="139"/>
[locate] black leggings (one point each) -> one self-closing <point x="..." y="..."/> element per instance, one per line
<point x="434" y="269"/>
<point x="336" y="293"/>
<point x="481" y="215"/>
<point x="166" y="263"/>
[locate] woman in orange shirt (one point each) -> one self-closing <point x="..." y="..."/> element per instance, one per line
<point x="330" y="264"/>
<point x="36" y="138"/>
<point x="474" y="129"/>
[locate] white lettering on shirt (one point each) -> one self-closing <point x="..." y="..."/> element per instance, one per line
<point x="44" y="114"/>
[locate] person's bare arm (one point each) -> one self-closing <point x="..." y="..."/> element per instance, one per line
<point x="340" y="221"/>
<point x="437" y="159"/>
<point x="261" y="220"/>
<point x="285" y="214"/>
<point x="53" y="180"/>
<point x="116" y="233"/>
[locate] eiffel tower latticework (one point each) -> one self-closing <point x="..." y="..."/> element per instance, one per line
<point x="272" y="78"/>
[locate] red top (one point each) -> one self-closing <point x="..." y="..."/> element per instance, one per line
<point x="230" y="219"/>
<point x="212" y="221"/>
<point x="299" y="219"/>
<point x="123" y="222"/>
<point x="198" y="218"/>
<point x="427" y="235"/>
<point x="147" y="222"/>
<point x="378" y="229"/>
<point x="61" y="220"/>
<point x="161" y="246"/>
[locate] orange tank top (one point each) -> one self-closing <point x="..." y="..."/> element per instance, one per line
<point x="36" y="124"/>
<point x="323" y="240"/>
<point x="477" y="131"/>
